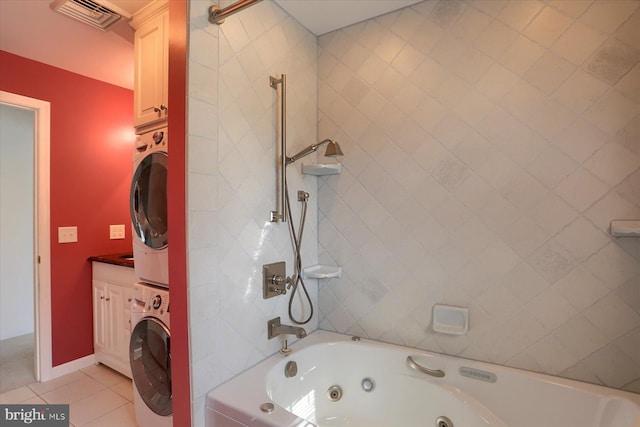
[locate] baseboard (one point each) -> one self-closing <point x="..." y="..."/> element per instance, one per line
<point x="69" y="367"/>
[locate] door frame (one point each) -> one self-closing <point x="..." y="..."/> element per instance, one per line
<point x="42" y="225"/>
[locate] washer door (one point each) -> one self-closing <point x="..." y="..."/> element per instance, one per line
<point x="150" y="358"/>
<point x="148" y="200"/>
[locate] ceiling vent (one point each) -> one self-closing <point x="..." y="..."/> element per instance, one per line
<point x="99" y="15"/>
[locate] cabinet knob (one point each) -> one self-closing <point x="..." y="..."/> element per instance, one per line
<point x="128" y="299"/>
<point x="163" y="107"/>
<point x="108" y="299"/>
<point x="156" y="109"/>
<point x="102" y="297"/>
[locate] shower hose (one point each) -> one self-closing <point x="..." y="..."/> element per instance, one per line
<point x="297" y="280"/>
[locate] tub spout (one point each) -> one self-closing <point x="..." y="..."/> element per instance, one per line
<point x="275" y="328"/>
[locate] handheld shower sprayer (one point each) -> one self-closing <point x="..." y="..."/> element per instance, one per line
<point x="333" y="150"/>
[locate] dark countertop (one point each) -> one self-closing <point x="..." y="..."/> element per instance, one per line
<point x="123" y="259"/>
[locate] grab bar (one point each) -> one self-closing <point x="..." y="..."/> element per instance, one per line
<point x="433" y="372"/>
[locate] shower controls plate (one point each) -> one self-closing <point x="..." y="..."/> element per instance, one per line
<point x="269" y="286"/>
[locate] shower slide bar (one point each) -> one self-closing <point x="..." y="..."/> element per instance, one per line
<point x="217" y="15"/>
<point x="280" y="214"/>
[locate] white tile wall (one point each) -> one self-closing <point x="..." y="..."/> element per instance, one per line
<point x="231" y="158"/>
<point x="494" y="143"/>
<point x="487" y="146"/>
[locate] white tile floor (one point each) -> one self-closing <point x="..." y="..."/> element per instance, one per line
<point x="97" y="397"/>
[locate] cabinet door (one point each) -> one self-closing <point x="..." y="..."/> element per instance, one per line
<point x="100" y="320"/>
<point x="117" y="344"/>
<point x="128" y="298"/>
<point x="151" y="71"/>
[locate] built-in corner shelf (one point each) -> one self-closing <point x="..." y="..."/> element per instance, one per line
<point x="322" y="169"/>
<point x="322" y="272"/>
<point x="625" y="227"/>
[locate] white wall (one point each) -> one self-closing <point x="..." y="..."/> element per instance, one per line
<point x="16" y="221"/>
<point x="231" y="166"/>
<point x="487" y="147"/>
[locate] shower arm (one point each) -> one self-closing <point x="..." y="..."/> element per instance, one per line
<point x="306" y="151"/>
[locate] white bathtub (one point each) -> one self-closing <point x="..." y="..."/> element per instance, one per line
<point x="470" y="394"/>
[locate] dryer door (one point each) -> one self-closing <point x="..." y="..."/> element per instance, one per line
<point x="150" y="358"/>
<point x="148" y="200"/>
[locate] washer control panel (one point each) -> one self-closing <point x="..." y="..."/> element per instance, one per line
<point x="150" y="299"/>
<point x="149" y="140"/>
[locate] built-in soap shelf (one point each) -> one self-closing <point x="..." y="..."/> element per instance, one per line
<point x="321" y="169"/>
<point x="451" y="320"/>
<point x="625" y="227"/>
<point x="321" y="272"/>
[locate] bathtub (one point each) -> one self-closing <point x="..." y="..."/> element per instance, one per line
<point x="330" y="379"/>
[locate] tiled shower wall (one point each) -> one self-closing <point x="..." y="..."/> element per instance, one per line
<point x="488" y="144"/>
<point x="232" y="173"/>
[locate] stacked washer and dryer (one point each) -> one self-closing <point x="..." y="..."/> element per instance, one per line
<point x="149" y="348"/>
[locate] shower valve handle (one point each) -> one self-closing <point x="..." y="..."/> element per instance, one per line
<point x="278" y="284"/>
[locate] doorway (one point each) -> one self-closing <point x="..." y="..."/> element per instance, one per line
<point x="17" y="135"/>
<point x="34" y="240"/>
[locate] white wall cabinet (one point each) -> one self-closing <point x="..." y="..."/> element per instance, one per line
<point x="151" y="70"/>
<point x="112" y="294"/>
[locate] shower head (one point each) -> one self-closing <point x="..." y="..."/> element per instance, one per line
<point x="333" y="150"/>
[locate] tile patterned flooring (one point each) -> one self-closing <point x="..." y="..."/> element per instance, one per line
<point x="97" y="396"/>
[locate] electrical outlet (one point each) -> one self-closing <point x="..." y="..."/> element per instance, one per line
<point x="116" y="232"/>
<point x="67" y="234"/>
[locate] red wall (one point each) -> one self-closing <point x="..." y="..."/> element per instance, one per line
<point x="92" y="141"/>
<point x="176" y="188"/>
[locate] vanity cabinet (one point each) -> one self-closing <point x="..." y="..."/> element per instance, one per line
<point x="112" y="295"/>
<point x="151" y="68"/>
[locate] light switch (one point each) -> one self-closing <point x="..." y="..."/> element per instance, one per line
<point x="116" y="232"/>
<point x="67" y="234"/>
